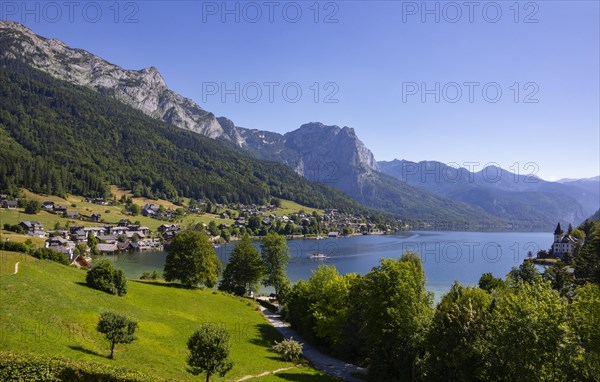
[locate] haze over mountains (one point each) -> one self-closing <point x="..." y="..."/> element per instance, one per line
<point x="326" y="154"/>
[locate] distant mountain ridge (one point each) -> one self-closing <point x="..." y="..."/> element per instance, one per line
<point x="502" y="193"/>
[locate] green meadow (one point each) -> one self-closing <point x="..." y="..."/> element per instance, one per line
<point x="46" y="309"/>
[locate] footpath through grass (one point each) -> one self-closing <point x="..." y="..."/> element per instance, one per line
<point x="47" y="309"/>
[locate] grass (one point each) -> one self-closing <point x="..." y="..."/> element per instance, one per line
<point x="8" y="260"/>
<point x="47" y="309"/>
<point x="110" y="214"/>
<point x="299" y="374"/>
<point x="21" y="238"/>
<point x="288" y="207"/>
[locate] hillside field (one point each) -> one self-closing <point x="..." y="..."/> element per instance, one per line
<point x="47" y="309"/>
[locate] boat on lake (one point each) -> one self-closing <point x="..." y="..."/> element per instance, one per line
<point x="317" y="255"/>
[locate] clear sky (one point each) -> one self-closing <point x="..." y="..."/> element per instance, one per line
<point x="378" y="67"/>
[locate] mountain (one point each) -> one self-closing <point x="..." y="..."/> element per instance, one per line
<point x="326" y="154"/>
<point x="514" y="197"/>
<point x="144" y="89"/>
<point x="336" y="156"/>
<point x="584" y="180"/>
<point x="57" y="138"/>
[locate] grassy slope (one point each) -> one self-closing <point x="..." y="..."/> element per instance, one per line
<point x="115" y="212"/>
<point x="46" y="309"/>
<point x="8" y="260"/>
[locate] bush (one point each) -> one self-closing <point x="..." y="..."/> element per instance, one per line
<point x="14" y="247"/>
<point x="30" y="367"/>
<point x="33" y="207"/>
<point x="289" y="349"/>
<point x="49" y="254"/>
<point x="14" y="228"/>
<point x="150" y="275"/>
<point x="103" y="276"/>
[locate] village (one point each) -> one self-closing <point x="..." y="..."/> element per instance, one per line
<point x="84" y="235"/>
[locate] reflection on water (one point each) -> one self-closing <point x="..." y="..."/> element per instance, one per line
<point x="446" y="256"/>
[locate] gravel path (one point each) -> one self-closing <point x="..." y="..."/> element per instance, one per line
<point x="320" y="361"/>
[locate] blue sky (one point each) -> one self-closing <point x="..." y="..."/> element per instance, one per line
<point x="383" y="62"/>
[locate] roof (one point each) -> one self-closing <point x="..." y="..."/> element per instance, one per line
<point x="106" y="247"/>
<point x="558" y="230"/>
<point x="31" y="224"/>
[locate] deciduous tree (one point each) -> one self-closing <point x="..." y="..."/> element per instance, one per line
<point x="209" y="352"/>
<point x="275" y="254"/>
<point x="244" y="270"/>
<point x="117" y="329"/>
<point x="192" y="260"/>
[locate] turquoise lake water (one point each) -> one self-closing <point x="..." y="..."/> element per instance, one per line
<point x="446" y="256"/>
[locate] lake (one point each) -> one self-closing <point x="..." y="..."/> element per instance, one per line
<point x="446" y="256"/>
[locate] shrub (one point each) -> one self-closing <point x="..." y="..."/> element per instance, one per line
<point x="14" y="228"/>
<point x="103" y="276"/>
<point x="14" y="247"/>
<point x="33" y="207"/>
<point x="150" y="275"/>
<point x="289" y="349"/>
<point x="49" y="254"/>
<point x="30" y="367"/>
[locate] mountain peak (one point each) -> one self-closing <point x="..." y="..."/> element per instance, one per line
<point x="144" y="89"/>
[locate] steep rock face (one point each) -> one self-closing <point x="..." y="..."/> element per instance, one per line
<point x="331" y="155"/>
<point x="144" y="89"/>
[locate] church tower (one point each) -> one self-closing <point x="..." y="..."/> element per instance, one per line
<point x="557" y="233"/>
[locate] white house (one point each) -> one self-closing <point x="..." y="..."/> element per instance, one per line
<point x="563" y="244"/>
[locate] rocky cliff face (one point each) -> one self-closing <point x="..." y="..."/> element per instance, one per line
<point x="144" y="89"/>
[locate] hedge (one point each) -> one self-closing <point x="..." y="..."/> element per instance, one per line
<point x="29" y="367"/>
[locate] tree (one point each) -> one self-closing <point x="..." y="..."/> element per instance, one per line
<point x="134" y="209"/>
<point x="275" y="254"/>
<point x="488" y="282"/>
<point x="527" y="338"/>
<point x="457" y="331"/>
<point x="103" y="276"/>
<point x="560" y="279"/>
<point x="584" y="315"/>
<point x="330" y="306"/>
<point x="33" y="207"/>
<point x="397" y="312"/>
<point x="254" y="223"/>
<point x="117" y="329"/>
<point x="92" y="242"/>
<point x="244" y="269"/>
<point x="120" y="282"/>
<point x="225" y="235"/>
<point x="587" y="261"/>
<point x="80" y="249"/>
<point x="212" y="228"/>
<point x="526" y="273"/>
<point x="192" y="260"/>
<point x="209" y="351"/>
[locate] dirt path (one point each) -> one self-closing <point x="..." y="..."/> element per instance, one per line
<point x="320" y="361"/>
<point x="247" y="377"/>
